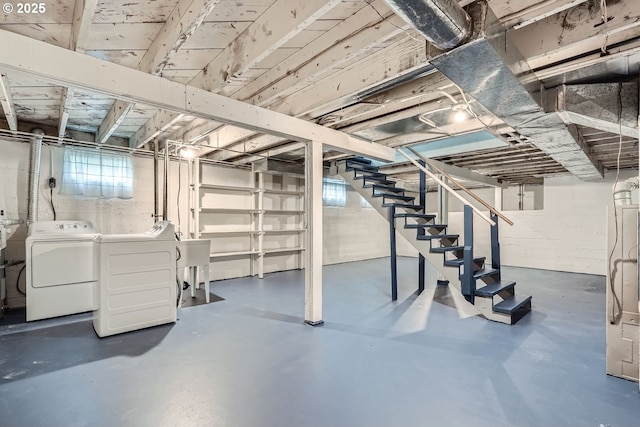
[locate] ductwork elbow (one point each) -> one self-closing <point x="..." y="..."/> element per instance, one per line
<point x="444" y="23"/>
<point x="622" y="191"/>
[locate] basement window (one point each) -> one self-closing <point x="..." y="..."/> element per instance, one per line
<point x="334" y="192"/>
<point x="96" y="173"/>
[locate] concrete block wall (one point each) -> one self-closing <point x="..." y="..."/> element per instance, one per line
<point x="351" y="233"/>
<point x="568" y="234"/>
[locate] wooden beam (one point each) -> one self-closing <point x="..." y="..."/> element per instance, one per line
<point x="279" y="24"/>
<point x="64" y="67"/>
<point x="364" y="17"/>
<point x="572" y="34"/>
<point x="313" y="61"/>
<point x="184" y="20"/>
<point x="276" y="26"/>
<point x="159" y="123"/>
<point x="387" y="64"/>
<point x="112" y="120"/>
<point x="7" y="103"/>
<point x="455" y="171"/>
<point x="65" y="105"/>
<point x="83" y="13"/>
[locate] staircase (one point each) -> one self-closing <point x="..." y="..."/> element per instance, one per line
<point x="493" y="297"/>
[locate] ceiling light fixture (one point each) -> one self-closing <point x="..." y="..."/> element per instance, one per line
<point x="460" y="113"/>
<point x="187" y="153"/>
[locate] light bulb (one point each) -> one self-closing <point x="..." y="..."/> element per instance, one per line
<point x="460" y="116"/>
<point x="187" y="153"/>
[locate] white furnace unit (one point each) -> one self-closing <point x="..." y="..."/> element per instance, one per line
<point x="61" y="267"/>
<point x="137" y="280"/>
<point x="622" y="293"/>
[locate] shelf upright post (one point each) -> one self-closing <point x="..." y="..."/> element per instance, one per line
<point x="260" y="229"/>
<point x="196" y="178"/>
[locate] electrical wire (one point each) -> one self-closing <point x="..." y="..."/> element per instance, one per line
<point x="18" y="281"/>
<point x="53" y="208"/>
<point x="616" y="305"/>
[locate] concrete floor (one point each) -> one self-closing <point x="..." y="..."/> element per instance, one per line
<point x="248" y="360"/>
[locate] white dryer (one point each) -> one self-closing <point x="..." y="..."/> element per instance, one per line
<point x="61" y="267"/>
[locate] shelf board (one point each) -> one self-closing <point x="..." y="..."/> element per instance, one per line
<point x="283" y="211"/>
<point x="289" y="192"/>
<point x="297" y="230"/>
<point x="226" y="188"/>
<point x="214" y="233"/>
<point x="281" y="250"/>
<point x="228" y="210"/>
<point x="231" y="254"/>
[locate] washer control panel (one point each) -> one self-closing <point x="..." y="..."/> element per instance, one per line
<point x="64" y="227"/>
<point x="161" y="228"/>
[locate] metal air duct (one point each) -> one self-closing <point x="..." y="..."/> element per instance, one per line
<point x="35" y="151"/>
<point x="491" y="69"/>
<point x="443" y="22"/>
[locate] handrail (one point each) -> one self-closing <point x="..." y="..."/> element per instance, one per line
<point x="451" y="190"/>
<point x="465" y="189"/>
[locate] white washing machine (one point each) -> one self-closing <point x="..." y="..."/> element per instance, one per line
<point x="61" y="267"/>
<point x="137" y="280"/>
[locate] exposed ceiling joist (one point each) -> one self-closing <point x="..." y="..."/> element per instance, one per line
<point x="455" y="171"/>
<point x="184" y="20"/>
<point x="576" y="31"/>
<point x="7" y="103"/>
<point x="83" y="13"/>
<point x="326" y="42"/>
<point x="279" y="24"/>
<point x="52" y="64"/>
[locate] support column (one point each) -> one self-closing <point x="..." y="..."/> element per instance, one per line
<point x="313" y="235"/>
<point x="393" y="253"/>
<point x="423" y="203"/>
<point x="499" y="192"/>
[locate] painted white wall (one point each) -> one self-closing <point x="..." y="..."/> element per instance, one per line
<point x="568" y="234"/>
<point x="351" y="233"/>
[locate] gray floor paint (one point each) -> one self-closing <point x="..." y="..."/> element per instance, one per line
<point x="248" y="360"/>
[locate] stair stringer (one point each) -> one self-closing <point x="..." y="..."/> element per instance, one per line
<point x="422" y="246"/>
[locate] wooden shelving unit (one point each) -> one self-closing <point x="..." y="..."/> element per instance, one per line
<point x="252" y="222"/>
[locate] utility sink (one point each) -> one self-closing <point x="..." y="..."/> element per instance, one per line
<point x="6" y="230"/>
<point x="194" y="252"/>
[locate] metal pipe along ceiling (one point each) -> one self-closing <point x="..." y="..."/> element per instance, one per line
<point x="443" y="22"/>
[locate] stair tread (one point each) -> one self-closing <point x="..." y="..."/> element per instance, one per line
<point x="494" y="288"/>
<point x="374" y="178"/>
<point x="402" y="205"/>
<point x="485" y="272"/>
<point x="359" y="160"/>
<point x="437" y="236"/>
<point x="394" y="196"/>
<point x="459" y="261"/>
<point x="438" y="226"/>
<point x="414" y="215"/>
<point x="367" y="173"/>
<point x="443" y="249"/>
<point x="511" y="304"/>
<point x="387" y="188"/>
<point x="359" y="166"/>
